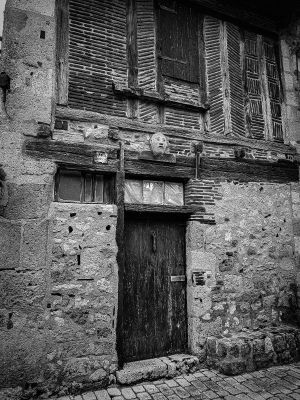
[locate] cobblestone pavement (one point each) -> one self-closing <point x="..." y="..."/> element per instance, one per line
<point x="273" y="383"/>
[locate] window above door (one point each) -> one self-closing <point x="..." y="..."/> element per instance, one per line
<point x="154" y="192"/>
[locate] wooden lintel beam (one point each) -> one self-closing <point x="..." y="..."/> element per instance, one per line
<point x="159" y="170"/>
<point x="153" y="208"/>
<point x="249" y="170"/>
<point x="84" y="156"/>
<point x="73" y="154"/>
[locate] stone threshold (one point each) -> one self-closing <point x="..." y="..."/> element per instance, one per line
<point x="157" y="368"/>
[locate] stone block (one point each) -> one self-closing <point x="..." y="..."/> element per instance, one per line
<point x="195" y="236"/>
<point x="34" y="245"/>
<point x="28" y="201"/>
<point x="40" y="6"/>
<point x="141" y="371"/>
<point x="10" y="241"/>
<point x="235" y="367"/>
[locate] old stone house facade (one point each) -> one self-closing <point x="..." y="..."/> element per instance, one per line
<point x="114" y="249"/>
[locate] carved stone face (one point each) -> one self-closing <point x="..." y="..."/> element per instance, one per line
<point x="158" y="144"/>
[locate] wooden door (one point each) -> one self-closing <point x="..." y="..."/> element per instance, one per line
<point x="154" y="304"/>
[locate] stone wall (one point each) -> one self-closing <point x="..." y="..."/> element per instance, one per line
<point x="82" y="307"/>
<point x="59" y="298"/>
<point x="247" y="260"/>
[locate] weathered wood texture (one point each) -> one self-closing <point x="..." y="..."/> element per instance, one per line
<point x="151" y="169"/>
<point x="82" y="156"/>
<point x="225" y="79"/>
<point x="212" y="34"/>
<point x="146" y="43"/>
<point x="132" y="52"/>
<point x="155" y="97"/>
<point x="161" y="209"/>
<point x="262" y="88"/>
<point x="248" y="171"/>
<point x="236" y="90"/>
<point x="273" y="88"/>
<point x="154" y="308"/>
<point x="241" y="14"/>
<point x="178" y="47"/>
<point x="62" y="50"/>
<point x="120" y="185"/>
<point x="97" y="54"/>
<point x="65" y="113"/>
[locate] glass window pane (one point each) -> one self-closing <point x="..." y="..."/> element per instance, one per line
<point x="88" y="188"/>
<point x="153" y="192"/>
<point x="133" y="191"/>
<point x="99" y="189"/>
<point x="174" y="194"/>
<point x="70" y="185"/>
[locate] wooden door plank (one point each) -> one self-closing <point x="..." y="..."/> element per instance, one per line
<point x="154" y="307"/>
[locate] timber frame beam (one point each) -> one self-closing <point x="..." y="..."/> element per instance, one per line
<point x="84" y="156"/>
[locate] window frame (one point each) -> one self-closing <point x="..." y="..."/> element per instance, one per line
<point x="108" y="191"/>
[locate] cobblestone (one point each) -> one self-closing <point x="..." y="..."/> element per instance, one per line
<point x="275" y="383"/>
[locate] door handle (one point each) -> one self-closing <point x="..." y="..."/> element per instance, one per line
<point x="154" y="244"/>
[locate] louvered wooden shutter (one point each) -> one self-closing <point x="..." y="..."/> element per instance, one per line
<point x="178" y="41"/>
<point x="273" y="88"/>
<point x="237" y="100"/>
<point x="212" y="35"/>
<point x="97" y="54"/>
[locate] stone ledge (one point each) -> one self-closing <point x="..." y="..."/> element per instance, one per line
<point x="157" y="368"/>
<point x="253" y="350"/>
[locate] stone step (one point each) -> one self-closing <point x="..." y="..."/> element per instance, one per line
<point x="253" y="350"/>
<point x="157" y="368"/>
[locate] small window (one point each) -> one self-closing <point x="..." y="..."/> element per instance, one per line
<point x="84" y="187"/>
<point x="153" y="192"/>
<point x="178" y="40"/>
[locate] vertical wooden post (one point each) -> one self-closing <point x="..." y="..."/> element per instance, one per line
<point x="132" y="51"/>
<point x="120" y="185"/>
<point x="202" y="74"/>
<point x="62" y="50"/>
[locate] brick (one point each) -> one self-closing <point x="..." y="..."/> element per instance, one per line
<point x="114" y="392"/>
<point x="151" y="388"/>
<point x="189" y="378"/>
<point x="89" y="396"/>
<point x="144" y="396"/>
<point x="182" y="393"/>
<point x="171" y="383"/>
<point x="138" y="389"/>
<point x="128" y="393"/>
<point x="210" y="395"/>
<point x="102" y="395"/>
<point x="158" y="396"/>
<point x="182" y="382"/>
<point x="165" y="389"/>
